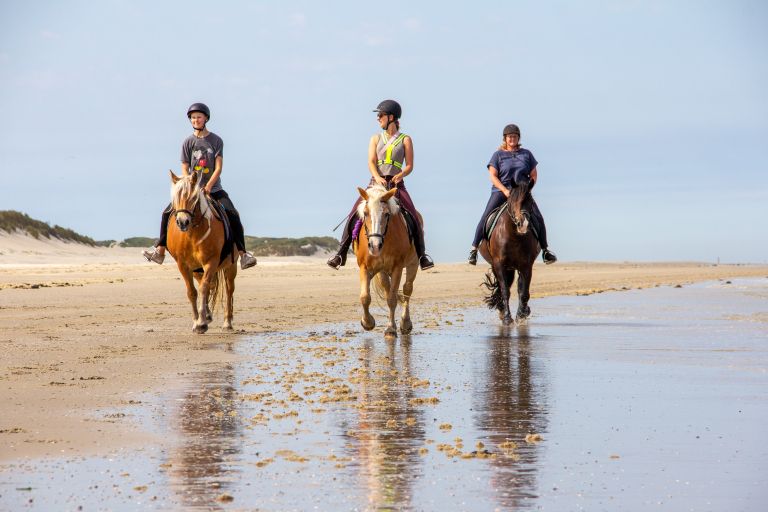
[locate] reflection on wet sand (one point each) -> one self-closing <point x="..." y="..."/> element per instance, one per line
<point x="511" y="406"/>
<point x="389" y="430"/>
<point x="210" y="437"/>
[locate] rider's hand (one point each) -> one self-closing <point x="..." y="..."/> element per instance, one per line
<point x="381" y="181"/>
<point x="208" y="187"/>
<point x="506" y="192"/>
<point x="397" y="178"/>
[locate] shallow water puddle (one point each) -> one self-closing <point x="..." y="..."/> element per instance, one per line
<point x="629" y="400"/>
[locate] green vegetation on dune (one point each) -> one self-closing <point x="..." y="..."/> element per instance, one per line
<point x="12" y="221"/>
<point x="16" y="222"/>
<point x="306" y="246"/>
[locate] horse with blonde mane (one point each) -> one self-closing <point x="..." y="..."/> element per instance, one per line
<point x="196" y="240"/>
<point x="383" y="250"/>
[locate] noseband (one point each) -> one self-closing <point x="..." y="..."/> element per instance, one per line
<point x="524" y="215"/>
<point x="380" y="235"/>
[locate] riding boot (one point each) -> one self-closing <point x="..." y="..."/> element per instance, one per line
<point x="425" y="262"/>
<point x="162" y="241"/>
<point x="537" y="219"/>
<point x="340" y="258"/>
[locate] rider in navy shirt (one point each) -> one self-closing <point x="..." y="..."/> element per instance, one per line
<point x="507" y="165"/>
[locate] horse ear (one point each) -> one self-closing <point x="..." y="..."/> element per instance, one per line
<point x="174" y="178"/>
<point x="388" y="195"/>
<point x="363" y="193"/>
<point x="195" y="176"/>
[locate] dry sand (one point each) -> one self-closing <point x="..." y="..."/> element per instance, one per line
<point x="86" y="332"/>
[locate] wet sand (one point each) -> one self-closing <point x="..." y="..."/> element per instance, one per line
<point x="618" y="401"/>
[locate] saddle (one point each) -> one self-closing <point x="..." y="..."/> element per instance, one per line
<point x="220" y="213"/>
<point x="493" y="219"/>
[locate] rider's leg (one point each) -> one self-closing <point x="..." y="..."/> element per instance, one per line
<point x="496" y="200"/>
<point x="537" y="219"/>
<point x="247" y="259"/>
<point x="340" y="258"/>
<point x="404" y="198"/>
<point x="157" y="255"/>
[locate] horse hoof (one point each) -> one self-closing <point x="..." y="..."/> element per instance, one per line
<point x="507" y="320"/>
<point x="406" y="327"/>
<point x="209" y="318"/>
<point x="368" y="326"/>
<point x="391" y="332"/>
<point x="200" y="329"/>
<point x="521" y="320"/>
<point x="227" y="327"/>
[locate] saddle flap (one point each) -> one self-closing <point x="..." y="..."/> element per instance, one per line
<point x="493" y="219"/>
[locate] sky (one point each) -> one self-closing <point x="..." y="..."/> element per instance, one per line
<point x="649" y="119"/>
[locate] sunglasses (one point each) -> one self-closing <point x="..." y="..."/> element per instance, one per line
<point x="380" y="115"/>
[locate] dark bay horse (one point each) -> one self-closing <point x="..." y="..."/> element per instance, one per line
<point x="512" y="247"/>
<point x="383" y="250"/>
<point x="196" y="240"/>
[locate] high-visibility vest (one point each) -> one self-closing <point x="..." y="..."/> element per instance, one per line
<point x="389" y="148"/>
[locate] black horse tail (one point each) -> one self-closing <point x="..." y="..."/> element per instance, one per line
<point x="495" y="299"/>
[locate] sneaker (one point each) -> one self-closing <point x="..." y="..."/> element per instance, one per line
<point x="154" y="255"/>
<point x="247" y="260"/>
<point x="472" y="260"/>
<point x="425" y="262"/>
<point x="548" y="257"/>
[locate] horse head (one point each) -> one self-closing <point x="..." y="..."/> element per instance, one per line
<point x="185" y="197"/>
<point x="377" y="208"/>
<point x="517" y="197"/>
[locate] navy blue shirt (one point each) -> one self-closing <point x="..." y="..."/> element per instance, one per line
<point x="510" y="164"/>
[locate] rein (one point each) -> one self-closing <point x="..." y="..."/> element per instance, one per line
<point x="205" y="214"/>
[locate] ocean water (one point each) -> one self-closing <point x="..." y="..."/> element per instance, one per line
<point x="636" y="400"/>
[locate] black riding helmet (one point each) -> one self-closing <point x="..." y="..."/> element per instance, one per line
<point x="199" y="107"/>
<point x="390" y="107"/>
<point x="511" y="129"/>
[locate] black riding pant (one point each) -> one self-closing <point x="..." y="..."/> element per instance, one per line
<point x="497" y="199"/>
<point x="232" y="214"/>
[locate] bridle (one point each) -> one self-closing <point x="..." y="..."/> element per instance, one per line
<point x="380" y="235"/>
<point x="524" y="215"/>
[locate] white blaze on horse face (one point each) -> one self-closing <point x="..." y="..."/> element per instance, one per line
<point x="377" y="214"/>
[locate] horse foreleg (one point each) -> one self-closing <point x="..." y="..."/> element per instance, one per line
<point x="189" y="281"/>
<point x="230" y="274"/>
<point x="505" y="279"/>
<point x="392" y="300"/>
<point x="204" y="317"/>
<point x="523" y="293"/>
<point x="405" y="320"/>
<point x="368" y="322"/>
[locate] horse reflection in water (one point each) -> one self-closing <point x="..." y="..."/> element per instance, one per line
<point x="389" y="428"/>
<point x="512" y="405"/>
<point x="210" y="439"/>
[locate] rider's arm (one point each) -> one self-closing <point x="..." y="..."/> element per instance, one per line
<point x="494" y="175"/>
<point x="373" y="161"/>
<point x="185" y="168"/>
<point x="215" y="175"/>
<point x="534" y="174"/>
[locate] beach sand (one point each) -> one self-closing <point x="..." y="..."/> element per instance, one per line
<point x="87" y="330"/>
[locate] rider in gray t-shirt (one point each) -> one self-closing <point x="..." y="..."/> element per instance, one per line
<point x="203" y="152"/>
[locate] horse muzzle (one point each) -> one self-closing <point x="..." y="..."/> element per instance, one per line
<point x="375" y="244"/>
<point x="183" y="221"/>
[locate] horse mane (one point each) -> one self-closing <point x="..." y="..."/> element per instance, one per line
<point x="374" y="194"/>
<point x="519" y="193"/>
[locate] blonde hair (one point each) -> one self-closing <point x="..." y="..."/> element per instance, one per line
<point x="504" y="147"/>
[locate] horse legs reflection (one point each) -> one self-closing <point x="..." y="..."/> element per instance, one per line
<point x="389" y="429"/>
<point x="511" y="406"/>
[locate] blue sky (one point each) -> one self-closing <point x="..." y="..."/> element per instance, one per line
<point x="649" y="119"/>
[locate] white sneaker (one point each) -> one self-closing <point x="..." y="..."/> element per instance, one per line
<point x="154" y="255"/>
<point x="247" y="260"/>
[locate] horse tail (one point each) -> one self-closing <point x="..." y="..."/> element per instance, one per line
<point x="494" y="300"/>
<point x="217" y="290"/>
<point x="380" y="284"/>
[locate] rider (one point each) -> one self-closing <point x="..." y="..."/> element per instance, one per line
<point x="510" y="159"/>
<point x="390" y="159"/>
<point x="201" y="151"/>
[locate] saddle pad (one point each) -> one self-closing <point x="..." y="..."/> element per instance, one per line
<point x="493" y="218"/>
<point x="221" y="214"/>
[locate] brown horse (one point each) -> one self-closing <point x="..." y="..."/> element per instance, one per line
<point x="195" y="240"/>
<point x="383" y="251"/>
<point x="512" y="246"/>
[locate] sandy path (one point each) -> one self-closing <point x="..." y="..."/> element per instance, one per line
<point x="84" y="339"/>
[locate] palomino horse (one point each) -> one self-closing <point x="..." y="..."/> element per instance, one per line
<point x="196" y="240"/>
<point x="383" y="251"/>
<point x="512" y="246"/>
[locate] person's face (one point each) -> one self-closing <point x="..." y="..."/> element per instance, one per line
<point x="512" y="140"/>
<point x="198" y="120"/>
<point x="383" y="119"/>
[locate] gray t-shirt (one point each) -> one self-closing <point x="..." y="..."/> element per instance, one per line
<point x="201" y="155"/>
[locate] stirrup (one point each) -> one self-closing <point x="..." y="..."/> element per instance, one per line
<point x="425" y="262"/>
<point x="335" y="262"/>
<point x="247" y="260"/>
<point x="472" y="260"/>
<point x="548" y="257"/>
<point x="153" y="256"/>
